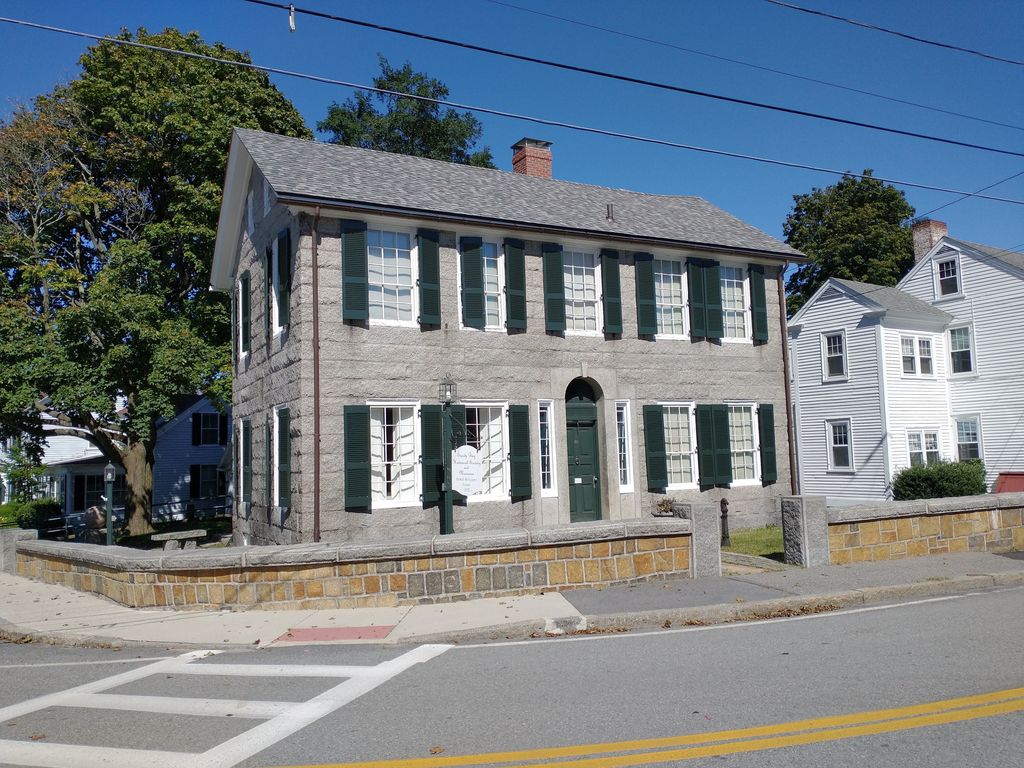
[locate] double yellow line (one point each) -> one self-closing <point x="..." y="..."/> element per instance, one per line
<point x="700" y="745"/>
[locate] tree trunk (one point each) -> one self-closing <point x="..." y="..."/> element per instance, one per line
<point x="138" y="477"/>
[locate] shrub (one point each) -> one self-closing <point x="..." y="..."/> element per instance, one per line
<point x="37" y="513"/>
<point x="9" y="512"/>
<point x="937" y="481"/>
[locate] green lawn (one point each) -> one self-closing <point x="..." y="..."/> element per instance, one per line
<point x="764" y="542"/>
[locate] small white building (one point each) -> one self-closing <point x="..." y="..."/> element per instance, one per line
<point x="885" y="378"/>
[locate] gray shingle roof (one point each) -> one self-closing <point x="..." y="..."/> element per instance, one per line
<point x="893" y="300"/>
<point x="330" y="172"/>
<point x="1010" y="257"/>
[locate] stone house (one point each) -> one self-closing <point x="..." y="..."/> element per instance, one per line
<point x="610" y="349"/>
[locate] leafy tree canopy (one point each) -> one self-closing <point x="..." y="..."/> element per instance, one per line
<point x="110" y="189"/>
<point x="856" y="229"/>
<point x="407" y="126"/>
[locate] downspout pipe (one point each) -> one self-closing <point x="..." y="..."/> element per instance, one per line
<point x="316" y="375"/>
<point x="790" y="430"/>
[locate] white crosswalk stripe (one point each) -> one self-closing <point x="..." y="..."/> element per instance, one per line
<point x="281" y="718"/>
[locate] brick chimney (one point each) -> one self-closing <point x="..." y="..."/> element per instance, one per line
<point x="532" y="157"/>
<point x="927" y="232"/>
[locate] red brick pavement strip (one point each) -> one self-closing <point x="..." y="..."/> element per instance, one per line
<point x="327" y="634"/>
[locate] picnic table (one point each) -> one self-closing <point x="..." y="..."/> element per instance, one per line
<point x="180" y="539"/>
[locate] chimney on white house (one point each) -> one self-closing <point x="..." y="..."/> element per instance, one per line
<point x="532" y="157"/>
<point x="927" y="232"/>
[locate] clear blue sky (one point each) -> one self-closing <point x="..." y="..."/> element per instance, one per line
<point x="31" y="62"/>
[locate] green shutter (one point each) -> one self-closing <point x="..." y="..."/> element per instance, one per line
<point x="705" y="296"/>
<point x="695" y="289"/>
<point x="472" y="258"/>
<point x="268" y="265"/>
<point x="723" y="446"/>
<point x="646" y="305"/>
<point x="611" y="291"/>
<point x="706" y="469"/>
<point x="431" y="453"/>
<point x="268" y="464"/>
<point x="245" y="288"/>
<point x="654" y="446"/>
<point x="713" y="300"/>
<point x="554" y="289"/>
<point x="457" y="419"/>
<point x="515" y="285"/>
<point x="356" y="420"/>
<point x="355" y="299"/>
<point x="430" y="277"/>
<point x="246" y="460"/>
<point x="284" y="277"/>
<point x="284" y="458"/>
<point x="766" y="433"/>
<point x="758" y="303"/>
<point x="519" y="451"/>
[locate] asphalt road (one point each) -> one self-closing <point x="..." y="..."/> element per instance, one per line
<point x="670" y="694"/>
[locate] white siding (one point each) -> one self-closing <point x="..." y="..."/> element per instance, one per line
<point x="856" y="399"/>
<point x="991" y="301"/>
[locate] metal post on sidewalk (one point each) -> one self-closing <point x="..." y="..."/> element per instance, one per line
<point x="447" y="390"/>
<point x="108" y="481"/>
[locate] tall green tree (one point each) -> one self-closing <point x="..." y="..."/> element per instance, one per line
<point x="856" y="229"/>
<point x="110" y="188"/>
<point x="406" y="126"/>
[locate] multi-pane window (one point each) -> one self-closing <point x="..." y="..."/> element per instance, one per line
<point x="909" y="353"/>
<point x="679" y="445"/>
<point x="742" y="443"/>
<point x="835" y="355"/>
<point x="389" y="265"/>
<point x="545" y="433"/>
<point x="923" y="447"/>
<point x="95" y="488"/>
<point x="668" y="293"/>
<point x="734" y="302"/>
<point x="393" y="460"/>
<point x="212" y="481"/>
<point x="924" y="356"/>
<point x="209" y="428"/>
<point x="968" y="441"/>
<point x="916" y="353"/>
<point x="492" y="286"/>
<point x="840" y="453"/>
<point x="580" y="279"/>
<point x="949" y="278"/>
<point x="622" y="430"/>
<point x="484" y="432"/>
<point x="960" y="352"/>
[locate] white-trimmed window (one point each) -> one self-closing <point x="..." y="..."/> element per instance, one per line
<point x="680" y="445"/>
<point x="669" y="298"/>
<point x="494" y="307"/>
<point x="916" y="354"/>
<point x="281" y="452"/>
<point x="968" y="438"/>
<point x="734" y="303"/>
<point x="243" y="490"/>
<point x="923" y="447"/>
<point x="390" y="267"/>
<point x="394" y="459"/>
<point x="840" y="445"/>
<point x="579" y="275"/>
<point x="961" y="350"/>
<point x="275" y="279"/>
<point x="485" y="431"/>
<point x="833" y="354"/>
<point x="947" y="277"/>
<point x="623" y="429"/>
<point x="546" y="444"/>
<point x="743" y="444"/>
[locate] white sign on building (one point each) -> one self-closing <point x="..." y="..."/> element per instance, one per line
<point x="467" y="470"/>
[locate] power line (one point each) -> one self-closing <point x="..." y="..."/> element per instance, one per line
<point x="632" y="80"/>
<point x="762" y="68"/>
<point x="897" y="33"/>
<point x="491" y="111"/>
<point x="964" y="197"/>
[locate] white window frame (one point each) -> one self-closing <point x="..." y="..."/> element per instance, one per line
<point x="547" y="406"/>
<point x="976" y="418"/>
<point x="240" y="447"/>
<point x="276" y="462"/>
<point x="414" y="271"/>
<point x="243" y="354"/>
<point x="922" y="433"/>
<point x="748" y="331"/>
<point x="916" y="340"/>
<point x="502" y="319"/>
<point x="417" y="491"/>
<point x="755" y="441"/>
<point x="938" y="262"/>
<point x="973" y="348"/>
<point x="622" y="406"/>
<point x="691" y="408"/>
<point x="825" y="375"/>
<point x="598" y="289"/>
<point x="275" y="278"/>
<point x="829" y="445"/>
<point x="502" y="405"/>
<point x="685" y="290"/>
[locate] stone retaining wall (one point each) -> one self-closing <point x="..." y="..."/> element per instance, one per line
<point x="442" y="569"/>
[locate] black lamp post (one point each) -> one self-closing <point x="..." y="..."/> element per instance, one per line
<point x="447" y="392"/>
<point x="108" y="480"/>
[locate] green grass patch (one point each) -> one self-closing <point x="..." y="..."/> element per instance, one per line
<point x="213" y="526"/>
<point x="763" y="542"/>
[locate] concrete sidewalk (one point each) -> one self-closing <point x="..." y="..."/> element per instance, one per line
<point x="33" y="610"/>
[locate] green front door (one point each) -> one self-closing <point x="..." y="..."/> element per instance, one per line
<point x="584" y="461"/>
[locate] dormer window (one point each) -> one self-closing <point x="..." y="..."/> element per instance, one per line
<point x="949" y="277"/>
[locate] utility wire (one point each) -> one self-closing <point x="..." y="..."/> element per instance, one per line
<point x="632" y="80"/>
<point x="760" y="67"/>
<point x="897" y="33"/>
<point x="490" y="111"/>
<point x="964" y="197"/>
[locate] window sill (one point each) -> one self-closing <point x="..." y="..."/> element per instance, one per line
<point x="551" y="493"/>
<point x="393" y="504"/>
<point x="475" y="499"/>
<point x="735" y="340"/>
<point x="835" y="380"/>
<point x="948" y="297"/>
<point x="746" y="482"/>
<point x="594" y="334"/>
<point x="840" y="472"/>
<point x="393" y="323"/>
<point x="683" y="487"/>
<point x="966" y="376"/>
<point x="671" y="337"/>
<point x="623" y="489"/>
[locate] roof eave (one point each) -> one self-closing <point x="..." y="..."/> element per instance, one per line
<point x="229" y="223"/>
